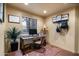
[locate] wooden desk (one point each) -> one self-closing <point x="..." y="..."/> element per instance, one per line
<point x="26" y="43"/>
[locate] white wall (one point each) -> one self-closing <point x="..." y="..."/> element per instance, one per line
<point x="2" y="29"/>
<point x="66" y="42"/>
<point x="1" y="39"/>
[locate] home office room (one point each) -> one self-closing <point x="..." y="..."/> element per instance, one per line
<point x="39" y="29"/>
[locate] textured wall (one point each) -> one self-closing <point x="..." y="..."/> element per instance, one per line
<point x="66" y="42"/>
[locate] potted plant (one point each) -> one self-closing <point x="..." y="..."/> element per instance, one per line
<point x="12" y="34"/>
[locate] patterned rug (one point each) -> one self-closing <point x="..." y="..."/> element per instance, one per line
<point x="45" y="51"/>
<point x="42" y="50"/>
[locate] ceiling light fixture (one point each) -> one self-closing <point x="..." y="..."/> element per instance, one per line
<point x="26" y="3"/>
<point x="44" y="11"/>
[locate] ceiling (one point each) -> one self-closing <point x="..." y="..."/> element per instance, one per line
<point x="38" y="8"/>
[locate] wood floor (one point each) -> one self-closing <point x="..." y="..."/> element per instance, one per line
<point x="46" y="51"/>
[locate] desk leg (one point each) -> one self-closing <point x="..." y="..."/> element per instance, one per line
<point x="23" y="51"/>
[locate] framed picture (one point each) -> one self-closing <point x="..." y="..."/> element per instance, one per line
<point x="13" y="19"/>
<point x="54" y="19"/>
<point x="1" y="12"/>
<point x="65" y="16"/>
<point x="58" y="18"/>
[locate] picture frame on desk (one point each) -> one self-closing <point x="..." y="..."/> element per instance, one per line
<point x="1" y="12"/>
<point x="13" y="19"/>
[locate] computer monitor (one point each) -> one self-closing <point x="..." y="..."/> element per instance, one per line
<point x="32" y="31"/>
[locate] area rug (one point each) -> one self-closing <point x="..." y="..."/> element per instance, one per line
<point x="42" y="50"/>
<point x="46" y="51"/>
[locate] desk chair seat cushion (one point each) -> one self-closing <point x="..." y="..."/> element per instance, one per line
<point x="38" y="42"/>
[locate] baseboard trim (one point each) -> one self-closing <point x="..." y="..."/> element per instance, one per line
<point x="75" y="54"/>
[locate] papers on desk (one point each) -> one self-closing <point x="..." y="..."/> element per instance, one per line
<point x="27" y="38"/>
<point x="32" y="37"/>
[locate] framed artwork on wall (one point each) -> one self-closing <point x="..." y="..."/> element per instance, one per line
<point x="1" y="12"/>
<point x="13" y="19"/>
<point x="61" y="18"/>
<point x="65" y="16"/>
<point x="56" y="18"/>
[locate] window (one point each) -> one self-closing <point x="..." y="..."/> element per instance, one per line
<point x="28" y="23"/>
<point x="25" y="24"/>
